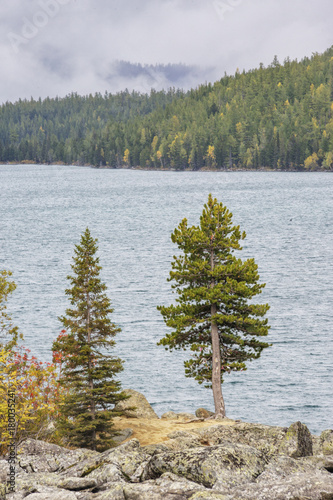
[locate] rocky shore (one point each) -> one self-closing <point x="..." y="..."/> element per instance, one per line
<point x="199" y="459"/>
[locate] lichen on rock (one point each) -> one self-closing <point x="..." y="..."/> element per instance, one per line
<point x="215" y="461"/>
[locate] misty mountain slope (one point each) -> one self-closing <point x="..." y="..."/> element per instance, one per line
<point x="279" y="117"/>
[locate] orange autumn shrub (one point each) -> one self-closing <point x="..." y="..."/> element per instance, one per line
<point x="30" y="389"/>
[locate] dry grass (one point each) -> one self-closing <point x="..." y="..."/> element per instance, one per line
<point x="153" y="431"/>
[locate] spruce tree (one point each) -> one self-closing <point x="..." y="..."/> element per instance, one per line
<point x="88" y="370"/>
<point x="212" y="315"/>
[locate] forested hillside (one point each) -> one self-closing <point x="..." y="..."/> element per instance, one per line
<point x="279" y="117"/>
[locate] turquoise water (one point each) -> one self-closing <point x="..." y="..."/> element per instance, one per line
<point x="288" y="220"/>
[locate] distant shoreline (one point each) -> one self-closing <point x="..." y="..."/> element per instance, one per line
<point x="151" y="169"/>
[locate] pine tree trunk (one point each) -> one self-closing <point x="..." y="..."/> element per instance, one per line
<point x="216" y="354"/>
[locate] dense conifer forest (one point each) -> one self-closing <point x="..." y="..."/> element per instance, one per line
<point x="279" y="117"/>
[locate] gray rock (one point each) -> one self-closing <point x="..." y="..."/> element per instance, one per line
<point x="282" y="466"/>
<point x="30" y="481"/>
<point x="317" y="485"/>
<point x="45" y="493"/>
<point x="316" y="445"/>
<point x="263" y="437"/>
<point x="127" y="462"/>
<point x="229" y="464"/>
<point x="203" y="413"/>
<point x="328" y="463"/>
<point x="115" y="492"/>
<point x="2" y="491"/>
<point x="14" y="496"/>
<point x="78" y="483"/>
<point x="107" y="473"/>
<point x="154" y="449"/>
<point x="171" y="415"/>
<point x="38" y="456"/>
<point x="182" y="440"/>
<point x="27" y="482"/>
<point x="122" y="436"/>
<point x="167" y="487"/>
<point x="297" y="441"/>
<point x="3" y="470"/>
<point x="326" y="442"/>
<point x="322" y="462"/>
<point x="129" y="457"/>
<point x="85" y="495"/>
<point x="84" y="467"/>
<point x="136" y="406"/>
<point x="186" y="416"/>
<point x="270" y="440"/>
<point x="210" y="495"/>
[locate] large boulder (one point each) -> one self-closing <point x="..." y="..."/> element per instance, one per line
<point x="297" y="441"/>
<point x="182" y="440"/>
<point x="166" y="487"/>
<point x="136" y="406"/>
<point x="283" y="466"/>
<point x="123" y="463"/>
<point x="114" y="492"/>
<point x="228" y="464"/>
<point x="28" y="482"/>
<point x="264" y="437"/>
<point x="44" y="493"/>
<point x="317" y="485"/>
<point x="38" y="456"/>
<point x="203" y="413"/>
<point x="326" y="442"/>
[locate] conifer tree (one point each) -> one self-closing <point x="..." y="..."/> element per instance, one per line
<point x="88" y="371"/>
<point x="212" y="315"/>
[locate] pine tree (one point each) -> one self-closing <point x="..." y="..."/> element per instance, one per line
<point x="212" y="315"/>
<point x="88" y="371"/>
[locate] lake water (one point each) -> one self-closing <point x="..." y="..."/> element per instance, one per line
<point x="288" y="220"/>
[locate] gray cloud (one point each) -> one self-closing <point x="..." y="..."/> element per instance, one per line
<point x="52" y="47"/>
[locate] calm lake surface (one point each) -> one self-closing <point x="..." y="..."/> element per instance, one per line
<point x="288" y="221"/>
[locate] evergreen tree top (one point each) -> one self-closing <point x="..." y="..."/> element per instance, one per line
<point x="88" y="369"/>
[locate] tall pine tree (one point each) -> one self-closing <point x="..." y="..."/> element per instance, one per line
<point x="212" y="315"/>
<point x="88" y="371"/>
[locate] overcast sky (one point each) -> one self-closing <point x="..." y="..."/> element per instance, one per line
<point x="53" y="47"/>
